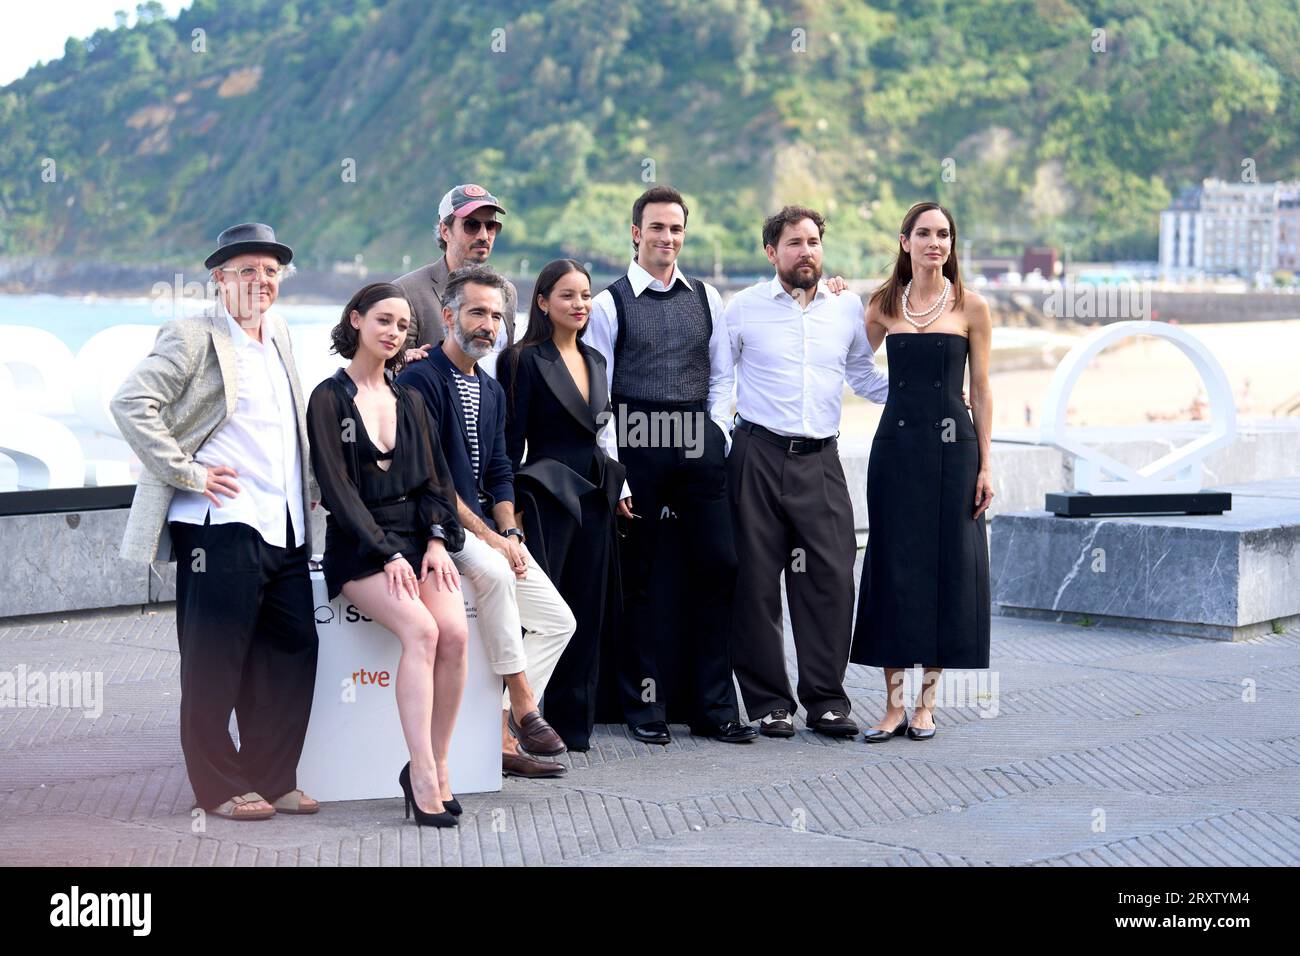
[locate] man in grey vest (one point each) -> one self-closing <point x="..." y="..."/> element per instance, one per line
<point x="467" y="230"/>
<point x="670" y="379"/>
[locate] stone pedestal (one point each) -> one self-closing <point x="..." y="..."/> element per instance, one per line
<point x="1224" y="577"/>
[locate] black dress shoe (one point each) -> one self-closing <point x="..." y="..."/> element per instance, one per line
<point x="655" y="732"/>
<point x="832" y="723"/>
<point x="776" y="724"/>
<point x="873" y="736"/>
<point x="732" y="732"/>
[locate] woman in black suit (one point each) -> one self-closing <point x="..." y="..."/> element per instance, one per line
<point x="392" y="521"/>
<point x="568" y="488"/>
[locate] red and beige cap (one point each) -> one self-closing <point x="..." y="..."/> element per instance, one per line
<point x="463" y="200"/>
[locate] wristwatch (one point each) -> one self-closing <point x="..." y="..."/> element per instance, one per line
<point x="515" y="533"/>
<point x="393" y="558"/>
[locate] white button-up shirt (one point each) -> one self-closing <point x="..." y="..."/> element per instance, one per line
<point x="792" y="362"/>
<point x="602" y="333"/>
<point x="259" y="441"/>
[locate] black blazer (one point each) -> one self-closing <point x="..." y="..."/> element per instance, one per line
<point x="432" y="378"/>
<point x="545" y="411"/>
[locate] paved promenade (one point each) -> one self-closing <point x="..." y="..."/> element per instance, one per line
<point x="1108" y="748"/>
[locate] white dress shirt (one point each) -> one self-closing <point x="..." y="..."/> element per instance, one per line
<point x="259" y="441"/>
<point x="792" y="362"/>
<point x="602" y="333"/>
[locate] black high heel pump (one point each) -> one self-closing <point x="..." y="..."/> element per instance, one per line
<point x="444" y="819"/>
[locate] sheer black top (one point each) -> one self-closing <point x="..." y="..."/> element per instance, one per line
<point x="376" y="513"/>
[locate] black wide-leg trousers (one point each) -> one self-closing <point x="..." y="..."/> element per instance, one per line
<point x="679" y="570"/>
<point x="247" y="635"/>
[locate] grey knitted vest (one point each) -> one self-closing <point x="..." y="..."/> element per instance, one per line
<point x="662" y="352"/>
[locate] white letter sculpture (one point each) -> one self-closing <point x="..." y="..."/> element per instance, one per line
<point x="1178" y="472"/>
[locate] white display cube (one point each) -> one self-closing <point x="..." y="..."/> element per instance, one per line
<point x="354" y="747"/>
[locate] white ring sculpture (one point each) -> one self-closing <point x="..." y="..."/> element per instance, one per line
<point x="1177" y="472"/>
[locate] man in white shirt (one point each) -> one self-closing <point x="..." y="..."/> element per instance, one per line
<point x="795" y="344"/>
<point x="670" y="381"/>
<point x="216" y="416"/>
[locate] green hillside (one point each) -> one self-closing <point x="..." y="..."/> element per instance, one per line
<point x="1003" y="110"/>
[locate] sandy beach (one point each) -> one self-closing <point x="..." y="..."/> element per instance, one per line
<point x="1143" y="380"/>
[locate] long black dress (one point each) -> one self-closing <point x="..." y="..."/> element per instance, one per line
<point x="376" y="513"/>
<point x="568" y="490"/>
<point x="924" y="597"/>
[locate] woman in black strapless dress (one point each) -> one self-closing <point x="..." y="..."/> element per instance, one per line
<point x="392" y="522"/>
<point x="924" y="598"/>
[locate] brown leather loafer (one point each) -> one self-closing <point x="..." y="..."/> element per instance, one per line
<point x="521" y="765"/>
<point x="536" y="736"/>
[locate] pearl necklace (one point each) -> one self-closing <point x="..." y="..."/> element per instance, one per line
<point x="937" y="308"/>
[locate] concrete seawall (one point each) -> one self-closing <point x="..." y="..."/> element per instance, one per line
<point x="65" y="562"/>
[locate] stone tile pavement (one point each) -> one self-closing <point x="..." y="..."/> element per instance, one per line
<point x="1094" y="747"/>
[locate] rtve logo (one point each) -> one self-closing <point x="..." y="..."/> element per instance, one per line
<point x="365" y="678"/>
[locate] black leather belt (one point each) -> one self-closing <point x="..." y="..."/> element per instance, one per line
<point x="793" y="445"/>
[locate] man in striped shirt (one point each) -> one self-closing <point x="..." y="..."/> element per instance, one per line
<point x="467" y="409"/>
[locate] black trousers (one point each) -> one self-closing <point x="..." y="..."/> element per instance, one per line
<point x="580" y="559"/>
<point x="679" y="571"/>
<point x="793" y="514"/>
<point x="247" y="634"/>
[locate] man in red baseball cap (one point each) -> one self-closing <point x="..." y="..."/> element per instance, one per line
<point x="467" y="229"/>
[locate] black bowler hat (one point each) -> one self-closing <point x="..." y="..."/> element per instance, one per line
<point x="247" y="237"/>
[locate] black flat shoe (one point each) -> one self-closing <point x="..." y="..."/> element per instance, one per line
<point x="873" y="736"/>
<point x="654" y="732"/>
<point x="917" y="733"/>
<point x="732" y="732"/>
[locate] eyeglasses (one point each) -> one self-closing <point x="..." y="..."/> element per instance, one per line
<point x="250" y="274"/>
<point x="471" y="226"/>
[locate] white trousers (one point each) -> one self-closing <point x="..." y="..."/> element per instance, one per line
<point x="508" y="605"/>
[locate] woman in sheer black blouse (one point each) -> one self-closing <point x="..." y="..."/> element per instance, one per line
<point x="392" y="521"/>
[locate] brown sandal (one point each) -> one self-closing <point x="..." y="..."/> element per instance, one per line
<point x="295" y="801"/>
<point x="240" y="808"/>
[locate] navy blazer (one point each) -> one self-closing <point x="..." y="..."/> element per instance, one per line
<point x="432" y="378"/>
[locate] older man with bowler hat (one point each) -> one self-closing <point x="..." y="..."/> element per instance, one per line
<point x="216" y="416"/>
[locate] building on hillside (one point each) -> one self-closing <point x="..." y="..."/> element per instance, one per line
<point x="1224" y="228"/>
<point x="1288" y="235"/>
